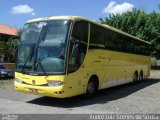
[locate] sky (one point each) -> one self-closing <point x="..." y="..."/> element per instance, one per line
<point x="16" y="12"/>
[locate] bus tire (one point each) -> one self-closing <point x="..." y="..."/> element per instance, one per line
<point x="141" y="76"/>
<point x="135" y="77"/>
<point x="92" y="87"/>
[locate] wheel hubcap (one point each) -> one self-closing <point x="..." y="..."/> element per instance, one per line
<point x="135" y="78"/>
<point x="140" y="78"/>
<point x="91" y="88"/>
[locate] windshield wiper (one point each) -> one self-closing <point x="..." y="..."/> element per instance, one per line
<point x="39" y="63"/>
<point x="24" y="66"/>
<point x="29" y="56"/>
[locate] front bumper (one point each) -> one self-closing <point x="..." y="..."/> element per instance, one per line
<point x="57" y="92"/>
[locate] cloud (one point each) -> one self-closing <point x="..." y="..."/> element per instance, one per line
<point x="22" y="9"/>
<point x="114" y="8"/>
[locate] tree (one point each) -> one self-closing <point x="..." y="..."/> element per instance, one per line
<point x="11" y="50"/>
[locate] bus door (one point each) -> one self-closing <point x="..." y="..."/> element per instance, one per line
<point x="77" y="70"/>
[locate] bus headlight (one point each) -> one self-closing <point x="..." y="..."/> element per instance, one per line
<point x="55" y="83"/>
<point x="18" y="80"/>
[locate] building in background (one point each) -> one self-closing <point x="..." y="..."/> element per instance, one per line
<point x="8" y="45"/>
<point x="6" y="32"/>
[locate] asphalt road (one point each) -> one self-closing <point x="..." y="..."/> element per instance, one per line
<point x="142" y="98"/>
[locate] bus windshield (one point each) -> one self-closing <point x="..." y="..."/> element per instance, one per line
<point x="43" y="47"/>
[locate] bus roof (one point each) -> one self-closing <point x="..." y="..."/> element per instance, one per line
<point x="86" y="19"/>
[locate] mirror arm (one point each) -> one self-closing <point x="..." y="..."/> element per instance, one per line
<point x="74" y="40"/>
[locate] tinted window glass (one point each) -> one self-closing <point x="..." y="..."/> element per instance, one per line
<point x="141" y="48"/>
<point x="97" y="39"/>
<point x="105" y="38"/>
<point x="80" y="31"/>
<point x="127" y="44"/>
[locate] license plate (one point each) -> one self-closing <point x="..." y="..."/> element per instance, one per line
<point x="33" y="90"/>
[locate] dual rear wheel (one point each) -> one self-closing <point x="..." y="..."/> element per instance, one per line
<point x="137" y="78"/>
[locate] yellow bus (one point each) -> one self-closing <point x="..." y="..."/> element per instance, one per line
<point x="64" y="56"/>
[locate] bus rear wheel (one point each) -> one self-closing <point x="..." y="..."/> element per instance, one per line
<point x="135" y="77"/>
<point x="92" y="87"/>
<point x="141" y="76"/>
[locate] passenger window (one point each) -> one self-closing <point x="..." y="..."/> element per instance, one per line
<point x="80" y="31"/>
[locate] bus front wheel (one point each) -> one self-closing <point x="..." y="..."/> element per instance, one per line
<point x="92" y="87"/>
